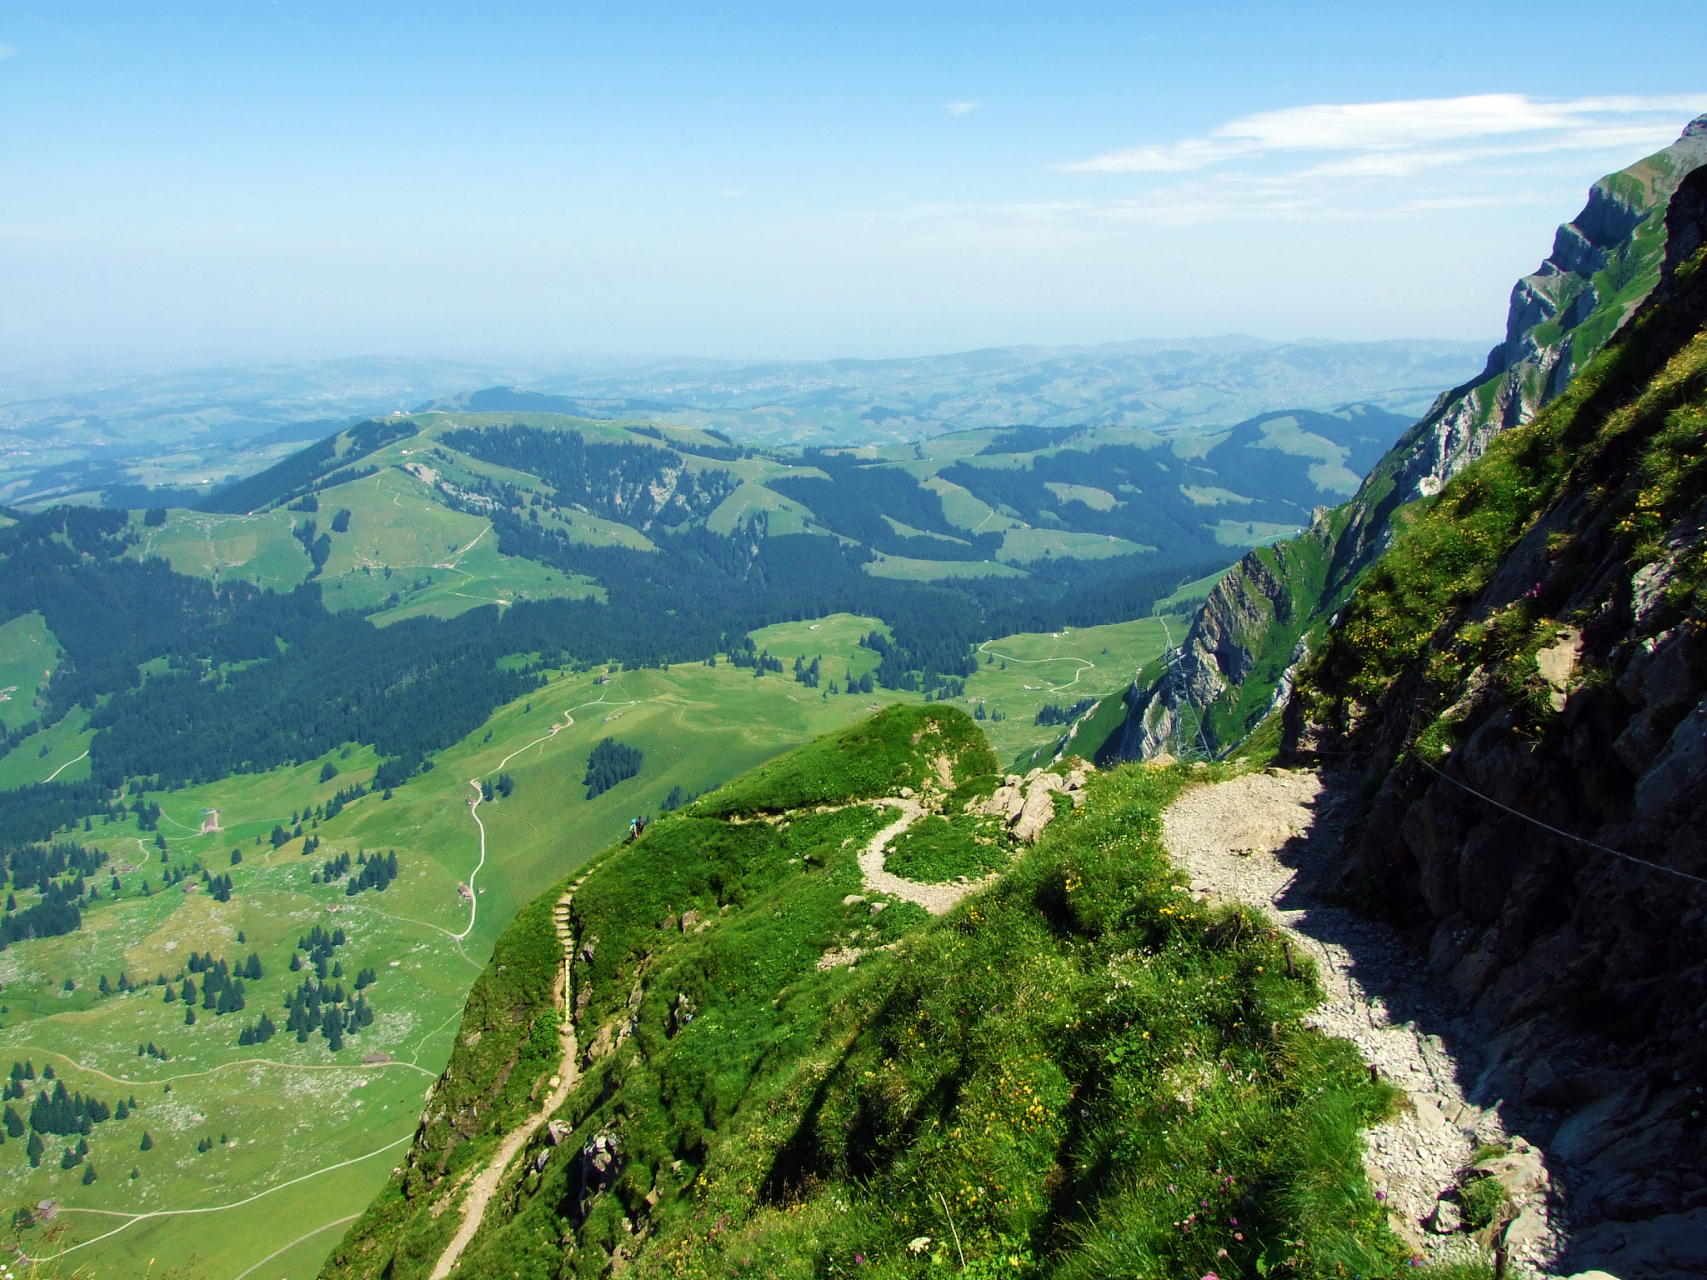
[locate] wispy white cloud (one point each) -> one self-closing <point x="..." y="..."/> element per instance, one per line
<point x="1481" y="124"/>
<point x="960" y="108"/>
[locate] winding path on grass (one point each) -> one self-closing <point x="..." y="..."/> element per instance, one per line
<point x="1085" y="664"/>
<point x="131" y="1219"/>
<point x="224" y="1066"/>
<point x="485" y="1183"/>
<point x="938" y="899"/>
<point x="473" y="812"/>
<point x="306" y="1235"/>
<point x="62" y="768"/>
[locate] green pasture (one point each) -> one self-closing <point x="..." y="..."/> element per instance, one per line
<point x="297" y="1111"/>
<point x="402" y="542"/>
<point x="752" y="498"/>
<point x="964" y="511"/>
<point x="28" y="654"/>
<point x="885" y="566"/>
<point x="1253" y="533"/>
<point x="1027" y="545"/>
<point x="250" y="548"/>
<point x="54" y="752"/>
<point x="835" y="639"/>
<point x="1018" y="675"/>
<point x="1188" y="595"/>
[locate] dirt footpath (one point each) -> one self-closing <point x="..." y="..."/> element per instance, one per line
<point x="1268" y="840"/>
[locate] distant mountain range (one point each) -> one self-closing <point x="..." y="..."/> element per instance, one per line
<point x="172" y="438"/>
<point x="1209" y="382"/>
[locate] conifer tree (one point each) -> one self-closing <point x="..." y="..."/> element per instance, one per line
<point x="34" y="1150"/>
<point x="147" y="1142"/>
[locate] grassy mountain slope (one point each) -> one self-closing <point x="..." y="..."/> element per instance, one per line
<point x="1077" y="1071"/>
<point x="1522" y="681"/>
<point x="1231" y="674"/>
<point x="296" y="1110"/>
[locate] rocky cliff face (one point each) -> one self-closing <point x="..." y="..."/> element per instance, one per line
<point x="1604" y="262"/>
<point x="1220" y="652"/>
<point x="1533" y="733"/>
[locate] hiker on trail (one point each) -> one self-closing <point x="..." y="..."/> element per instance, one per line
<point x="633" y="830"/>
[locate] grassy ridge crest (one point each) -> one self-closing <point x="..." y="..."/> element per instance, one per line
<point x="1079" y="1071"/>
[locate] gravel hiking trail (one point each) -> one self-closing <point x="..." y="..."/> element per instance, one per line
<point x="934" y="898"/>
<point x="485" y="1183"/>
<point x="1269" y="840"/>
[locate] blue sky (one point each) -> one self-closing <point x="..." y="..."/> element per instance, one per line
<point x="284" y="179"/>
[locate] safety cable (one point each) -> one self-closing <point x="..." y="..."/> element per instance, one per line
<point x="1641" y="862"/>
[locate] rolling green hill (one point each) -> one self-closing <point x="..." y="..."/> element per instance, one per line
<point x="696" y="726"/>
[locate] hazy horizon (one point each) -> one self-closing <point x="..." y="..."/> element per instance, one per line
<point x="770" y="184"/>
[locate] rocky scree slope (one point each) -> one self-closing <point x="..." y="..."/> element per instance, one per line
<point x="1232" y="670"/>
<point x="1078" y="1070"/>
<point x="1520" y="686"/>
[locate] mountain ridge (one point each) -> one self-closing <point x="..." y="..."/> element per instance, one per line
<point x="1258" y="620"/>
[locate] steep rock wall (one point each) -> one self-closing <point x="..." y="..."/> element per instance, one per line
<point x="1553" y="712"/>
<point x="1604" y="262"/>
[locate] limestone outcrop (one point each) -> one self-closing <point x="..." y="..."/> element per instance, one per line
<point x="1027" y="804"/>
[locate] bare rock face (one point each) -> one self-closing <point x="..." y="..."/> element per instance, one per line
<point x="1535" y="362"/>
<point x="681" y="1014"/>
<point x="1217" y="654"/>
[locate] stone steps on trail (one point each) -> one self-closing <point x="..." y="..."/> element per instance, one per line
<point x="560" y="914"/>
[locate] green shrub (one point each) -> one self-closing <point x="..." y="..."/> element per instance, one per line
<point x="1483" y="1199"/>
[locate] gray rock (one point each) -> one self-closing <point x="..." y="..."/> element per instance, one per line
<point x="1519" y="1171"/>
<point x="1680" y="767"/>
<point x="1445" y="1220"/>
<point x="1674" y="1244"/>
